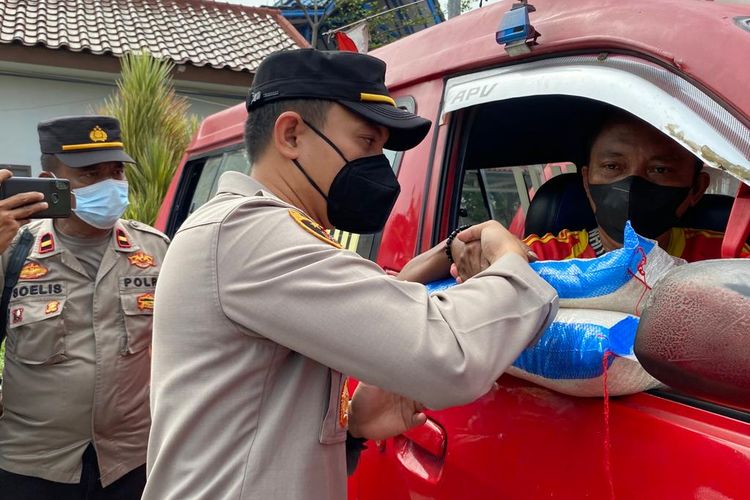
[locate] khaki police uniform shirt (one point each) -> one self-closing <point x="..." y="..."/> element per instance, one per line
<point x="258" y="315"/>
<point x="77" y="356"/>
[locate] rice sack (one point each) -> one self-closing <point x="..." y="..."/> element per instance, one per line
<point x="620" y="280"/>
<point x="600" y="301"/>
<point x="571" y="355"/>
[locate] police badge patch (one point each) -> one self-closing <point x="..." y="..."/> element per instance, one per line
<point x="52" y="307"/>
<point x="142" y="260"/>
<point x="313" y="227"/>
<point x="145" y="302"/>
<point x="32" y="271"/>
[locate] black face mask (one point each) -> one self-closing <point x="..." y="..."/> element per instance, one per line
<point x="651" y="208"/>
<point x="362" y="194"/>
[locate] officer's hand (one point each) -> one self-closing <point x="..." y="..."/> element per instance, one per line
<point x="16" y="210"/>
<point x="379" y="414"/>
<point x="496" y="241"/>
<point x="467" y="259"/>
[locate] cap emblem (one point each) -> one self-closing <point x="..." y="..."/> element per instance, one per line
<point x="97" y="134"/>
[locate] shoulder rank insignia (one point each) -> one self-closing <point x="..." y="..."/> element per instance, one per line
<point x="142" y="260"/>
<point x="313" y="227"/>
<point x="145" y="302"/>
<point x="46" y="243"/>
<point x="32" y="271"/>
<point x="122" y="239"/>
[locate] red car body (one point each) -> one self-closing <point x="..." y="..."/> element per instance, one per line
<point x="521" y="440"/>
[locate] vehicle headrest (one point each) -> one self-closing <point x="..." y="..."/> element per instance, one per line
<point x="561" y="203"/>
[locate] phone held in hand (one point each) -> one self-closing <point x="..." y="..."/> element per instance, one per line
<point x="56" y="193"/>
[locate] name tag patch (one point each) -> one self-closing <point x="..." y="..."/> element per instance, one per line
<point x="138" y="281"/>
<point x="37" y="289"/>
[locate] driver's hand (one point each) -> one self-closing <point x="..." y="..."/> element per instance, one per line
<point x="467" y="259"/>
<point x="495" y="242"/>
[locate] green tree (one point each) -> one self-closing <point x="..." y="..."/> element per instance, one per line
<point x="156" y="129"/>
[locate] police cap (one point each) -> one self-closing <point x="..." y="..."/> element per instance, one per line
<point x="82" y="141"/>
<point x="356" y="81"/>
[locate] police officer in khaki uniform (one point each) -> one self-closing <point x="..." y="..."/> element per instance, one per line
<point x="76" y="380"/>
<point x="253" y="332"/>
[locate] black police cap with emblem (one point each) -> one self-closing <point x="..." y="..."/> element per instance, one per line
<point x="356" y="81"/>
<point x="82" y="141"/>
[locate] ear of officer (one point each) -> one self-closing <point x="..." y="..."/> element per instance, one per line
<point x="355" y="184"/>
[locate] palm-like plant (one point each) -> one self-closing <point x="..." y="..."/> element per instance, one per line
<point x="156" y="129"/>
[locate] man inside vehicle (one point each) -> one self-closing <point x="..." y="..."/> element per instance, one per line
<point x="637" y="173"/>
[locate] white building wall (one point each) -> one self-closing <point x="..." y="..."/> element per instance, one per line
<point x="27" y="100"/>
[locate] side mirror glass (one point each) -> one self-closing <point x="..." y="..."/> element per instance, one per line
<point x="694" y="334"/>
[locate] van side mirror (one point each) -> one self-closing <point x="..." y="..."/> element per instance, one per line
<point x="694" y="334"/>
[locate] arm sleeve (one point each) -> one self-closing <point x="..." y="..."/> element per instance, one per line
<point x="343" y="311"/>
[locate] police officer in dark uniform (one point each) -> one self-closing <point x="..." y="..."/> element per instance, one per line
<point x="76" y="379"/>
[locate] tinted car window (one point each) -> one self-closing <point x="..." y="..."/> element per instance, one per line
<point x="213" y="168"/>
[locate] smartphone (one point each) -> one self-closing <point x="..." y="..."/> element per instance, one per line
<point x="56" y="193"/>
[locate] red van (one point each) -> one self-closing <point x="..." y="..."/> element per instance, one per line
<point x="503" y="126"/>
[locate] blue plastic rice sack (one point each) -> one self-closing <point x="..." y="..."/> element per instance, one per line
<point x="620" y="280"/>
<point x="571" y="355"/>
<point x="600" y="300"/>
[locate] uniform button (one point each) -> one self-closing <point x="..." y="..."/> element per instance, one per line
<point x="134" y="224"/>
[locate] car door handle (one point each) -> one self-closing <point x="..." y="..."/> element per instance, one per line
<point x="430" y="437"/>
<point x="421" y="450"/>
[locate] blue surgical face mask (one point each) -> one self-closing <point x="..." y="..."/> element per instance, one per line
<point x="100" y="205"/>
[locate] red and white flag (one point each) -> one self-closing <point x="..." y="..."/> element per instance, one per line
<point x="355" y="39"/>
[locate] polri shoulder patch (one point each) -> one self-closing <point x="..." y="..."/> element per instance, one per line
<point x="313" y="227"/>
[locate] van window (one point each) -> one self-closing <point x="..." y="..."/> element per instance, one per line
<point x="507" y="143"/>
<point x="200" y="180"/>
<point x="212" y="169"/>
<point x="503" y="193"/>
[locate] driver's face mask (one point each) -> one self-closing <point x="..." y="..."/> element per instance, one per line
<point x="651" y="208"/>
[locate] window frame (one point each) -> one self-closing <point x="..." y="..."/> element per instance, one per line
<point x="732" y="137"/>
<point x="189" y="178"/>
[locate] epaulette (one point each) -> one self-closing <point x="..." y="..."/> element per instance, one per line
<point x="145" y="228"/>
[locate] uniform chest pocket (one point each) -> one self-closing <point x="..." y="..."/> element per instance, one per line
<point x="36" y="331"/>
<point x="336" y="416"/>
<point x="138" y="313"/>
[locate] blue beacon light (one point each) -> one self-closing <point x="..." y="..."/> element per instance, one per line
<point x="515" y="30"/>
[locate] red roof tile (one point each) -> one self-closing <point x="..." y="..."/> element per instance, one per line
<point x="198" y="32"/>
